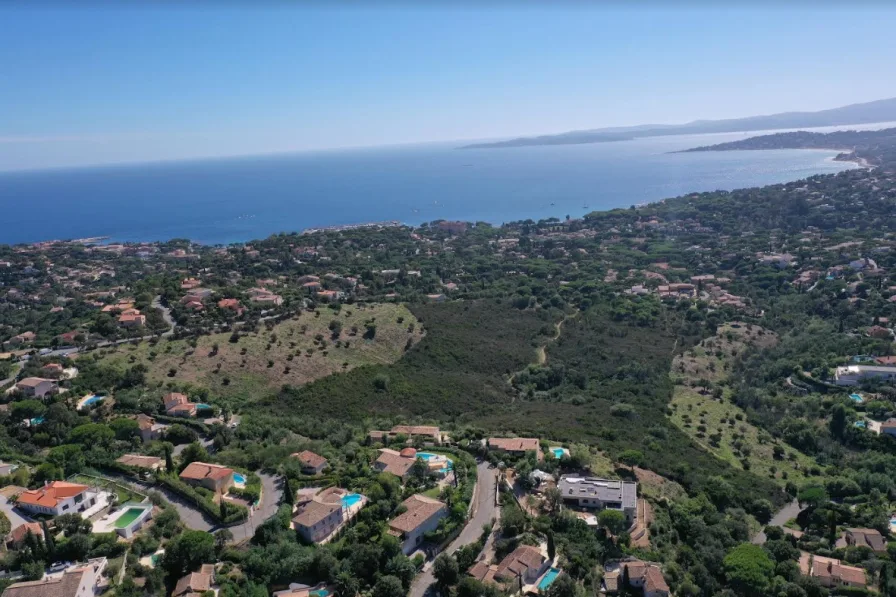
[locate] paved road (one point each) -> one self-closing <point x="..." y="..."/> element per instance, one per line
<point x="781" y="516"/>
<point x="206" y="443"/>
<point x="484" y="510"/>
<point x="16" y="517"/>
<point x="16" y="368"/>
<point x="271" y="488"/>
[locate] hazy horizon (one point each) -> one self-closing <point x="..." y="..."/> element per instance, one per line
<point x="161" y="82"/>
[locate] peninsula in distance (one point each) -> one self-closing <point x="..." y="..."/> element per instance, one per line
<point x="883" y="110"/>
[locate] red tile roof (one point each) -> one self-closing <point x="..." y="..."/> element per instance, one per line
<point x="50" y="495"/>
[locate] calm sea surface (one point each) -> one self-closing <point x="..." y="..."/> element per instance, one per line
<point x="233" y="200"/>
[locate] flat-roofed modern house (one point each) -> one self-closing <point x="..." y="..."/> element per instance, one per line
<point x="37" y="387"/>
<point x="213" y="477"/>
<point x="422" y="514"/>
<point x="58" y="497"/>
<point x="851" y="375"/>
<point x="600" y="494"/>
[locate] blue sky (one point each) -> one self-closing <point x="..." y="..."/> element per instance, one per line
<point x="106" y="84"/>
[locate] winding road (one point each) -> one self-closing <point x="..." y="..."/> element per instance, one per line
<point x="781" y="516"/>
<point x="484" y="510"/>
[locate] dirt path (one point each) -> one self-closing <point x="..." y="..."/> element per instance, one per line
<point x="541" y="355"/>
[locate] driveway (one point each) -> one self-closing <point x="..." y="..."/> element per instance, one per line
<point x="484" y="510"/>
<point x="16" y="517"/>
<point x="781" y="516"/>
<point x="271" y="488"/>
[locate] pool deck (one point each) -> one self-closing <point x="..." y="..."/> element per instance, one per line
<point x="106" y="524"/>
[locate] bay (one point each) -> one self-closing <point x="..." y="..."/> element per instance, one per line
<point x="239" y="199"/>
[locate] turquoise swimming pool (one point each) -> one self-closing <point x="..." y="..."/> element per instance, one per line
<point x="320" y="593"/>
<point x="558" y="453"/>
<point x="548" y="578"/>
<point x="351" y="499"/>
<point x="93" y="400"/>
<point x="856" y="398"/>
<point x="203" y="405"/>
<point x="238" y="478"/>
<point x="860" y="424"/>
<point x="427" y="457"/>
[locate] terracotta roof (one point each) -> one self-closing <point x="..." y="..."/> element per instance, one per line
<point x="514" y="444"/>
<point x="520" y="560"/>
<point x="416" y="430"/>
<point x="140" y="461"/>
<point x="174" y="398"/>
<point x="309" y="458"/>
<point x="33" y="382"/>
<point x="315" y="512"/>
<point x="195" y="582"/>
<point x="391" y="461"/>
<point x="60" y="586"/>
<point x="229" y="303"/>
<point x="145" y="422"/>
<point x="202" y="470"/>
<point x="419" y="509"/>
<point x="654" y="580"/>
<point x="182" y="408"/>
<point x="483" y="572"/>
<point x="867" y="537"/>
<point x="50" y="495"/>
<point x="19" y="533"/>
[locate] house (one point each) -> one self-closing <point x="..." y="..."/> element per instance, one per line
<point x="213" y="477"/>
<point x="641" y="575"/>
<point x="851" y="375"/>
<point x="37" y="387"/>
<point x="199" y="294"/>
<point x="514" y="445"/>
<point x="396" y="463"/>
<point x="594" y="493"/>
<point x="18" y="535"/>
<point x="830" y="573"/>
<point x="299" y="590"/>
<point x="178" y="405"/>
<point x="23" y="338"/>
<point x="483" y="572"/>
<point x="312" y="464"/>
<point x="231" y="304"/>
<point x="422" y="515"/>
<point x="77" y="582"/>
<point x="195" y="583"/>
<point x="427" y="432"/>
<point x="149" y="429"/>
<point x="525" y="562"/>
<point x="190" y="284"/>
<point x="52" y="369"/>
<point x="131" y="320"/>
<point x="329" y="296"/>
<point x="888" y="427"/>
<point x="320" y="517"/>
<point x="879" y="332"/>
<point x="58" y="497"/>
<point x="869" y="538"/>
<point x="263" y="296"/>
<point x="152" y="463"/>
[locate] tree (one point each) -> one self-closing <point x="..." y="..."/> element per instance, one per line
<point x="837" y="424"/>
<point x="193" y="453"/>
<point x="812" y="496"/>
<point x="563" y="586"/>
<point x="612" y="520"/>
<point x="513" y="521"/>
<point x="187" y="552"/>
<point x="748" y="569"/>
<point x="179" y="434"/>
<point x="222" y="537"/>
<point x="93" y="435"/>
<point x="552" y="549"/>
<point x="632" y="458"/>
<point x="388" y="586"/>
<point x="445" y="570"/>
<point x="169" y="463"/>
<point x="27" y="409"/>
<point x="124" y="428"/>
<point x="346" y="585"/>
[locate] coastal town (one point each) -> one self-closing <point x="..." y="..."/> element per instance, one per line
<point x="655" y="401"/>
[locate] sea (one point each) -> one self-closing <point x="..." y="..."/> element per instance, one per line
<point x="233" y="200"/>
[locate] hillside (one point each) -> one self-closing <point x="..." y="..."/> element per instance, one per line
<point x="294" y="352"/>
<point x="877" y="111"/>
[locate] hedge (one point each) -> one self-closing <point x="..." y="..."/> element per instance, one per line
<point x="237" y="513"/>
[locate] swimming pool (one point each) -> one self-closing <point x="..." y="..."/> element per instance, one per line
<point x="37" y="420"/>
<point x="449" y="466"/>
<point x="130" y="515"/>
<point x="92" y="400"/>
<point x="351" y="499"/>
<point x="856" y="398"/>
<point x="558" y="452"/>
<point x="200" y="405"/>
<point x="238" y="478"/>
<point x="860" y="424"/>
<point x="320" y="593"/>
<point x="549" y="577"/>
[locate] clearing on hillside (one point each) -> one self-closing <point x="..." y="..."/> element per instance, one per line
<point x="295" y="352"/>
<point x="702" y="409"/>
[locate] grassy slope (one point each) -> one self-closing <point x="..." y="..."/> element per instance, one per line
<point x="692" y="407"/>
<point x="457" y="372"/>
<point x="249" y="374"/>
